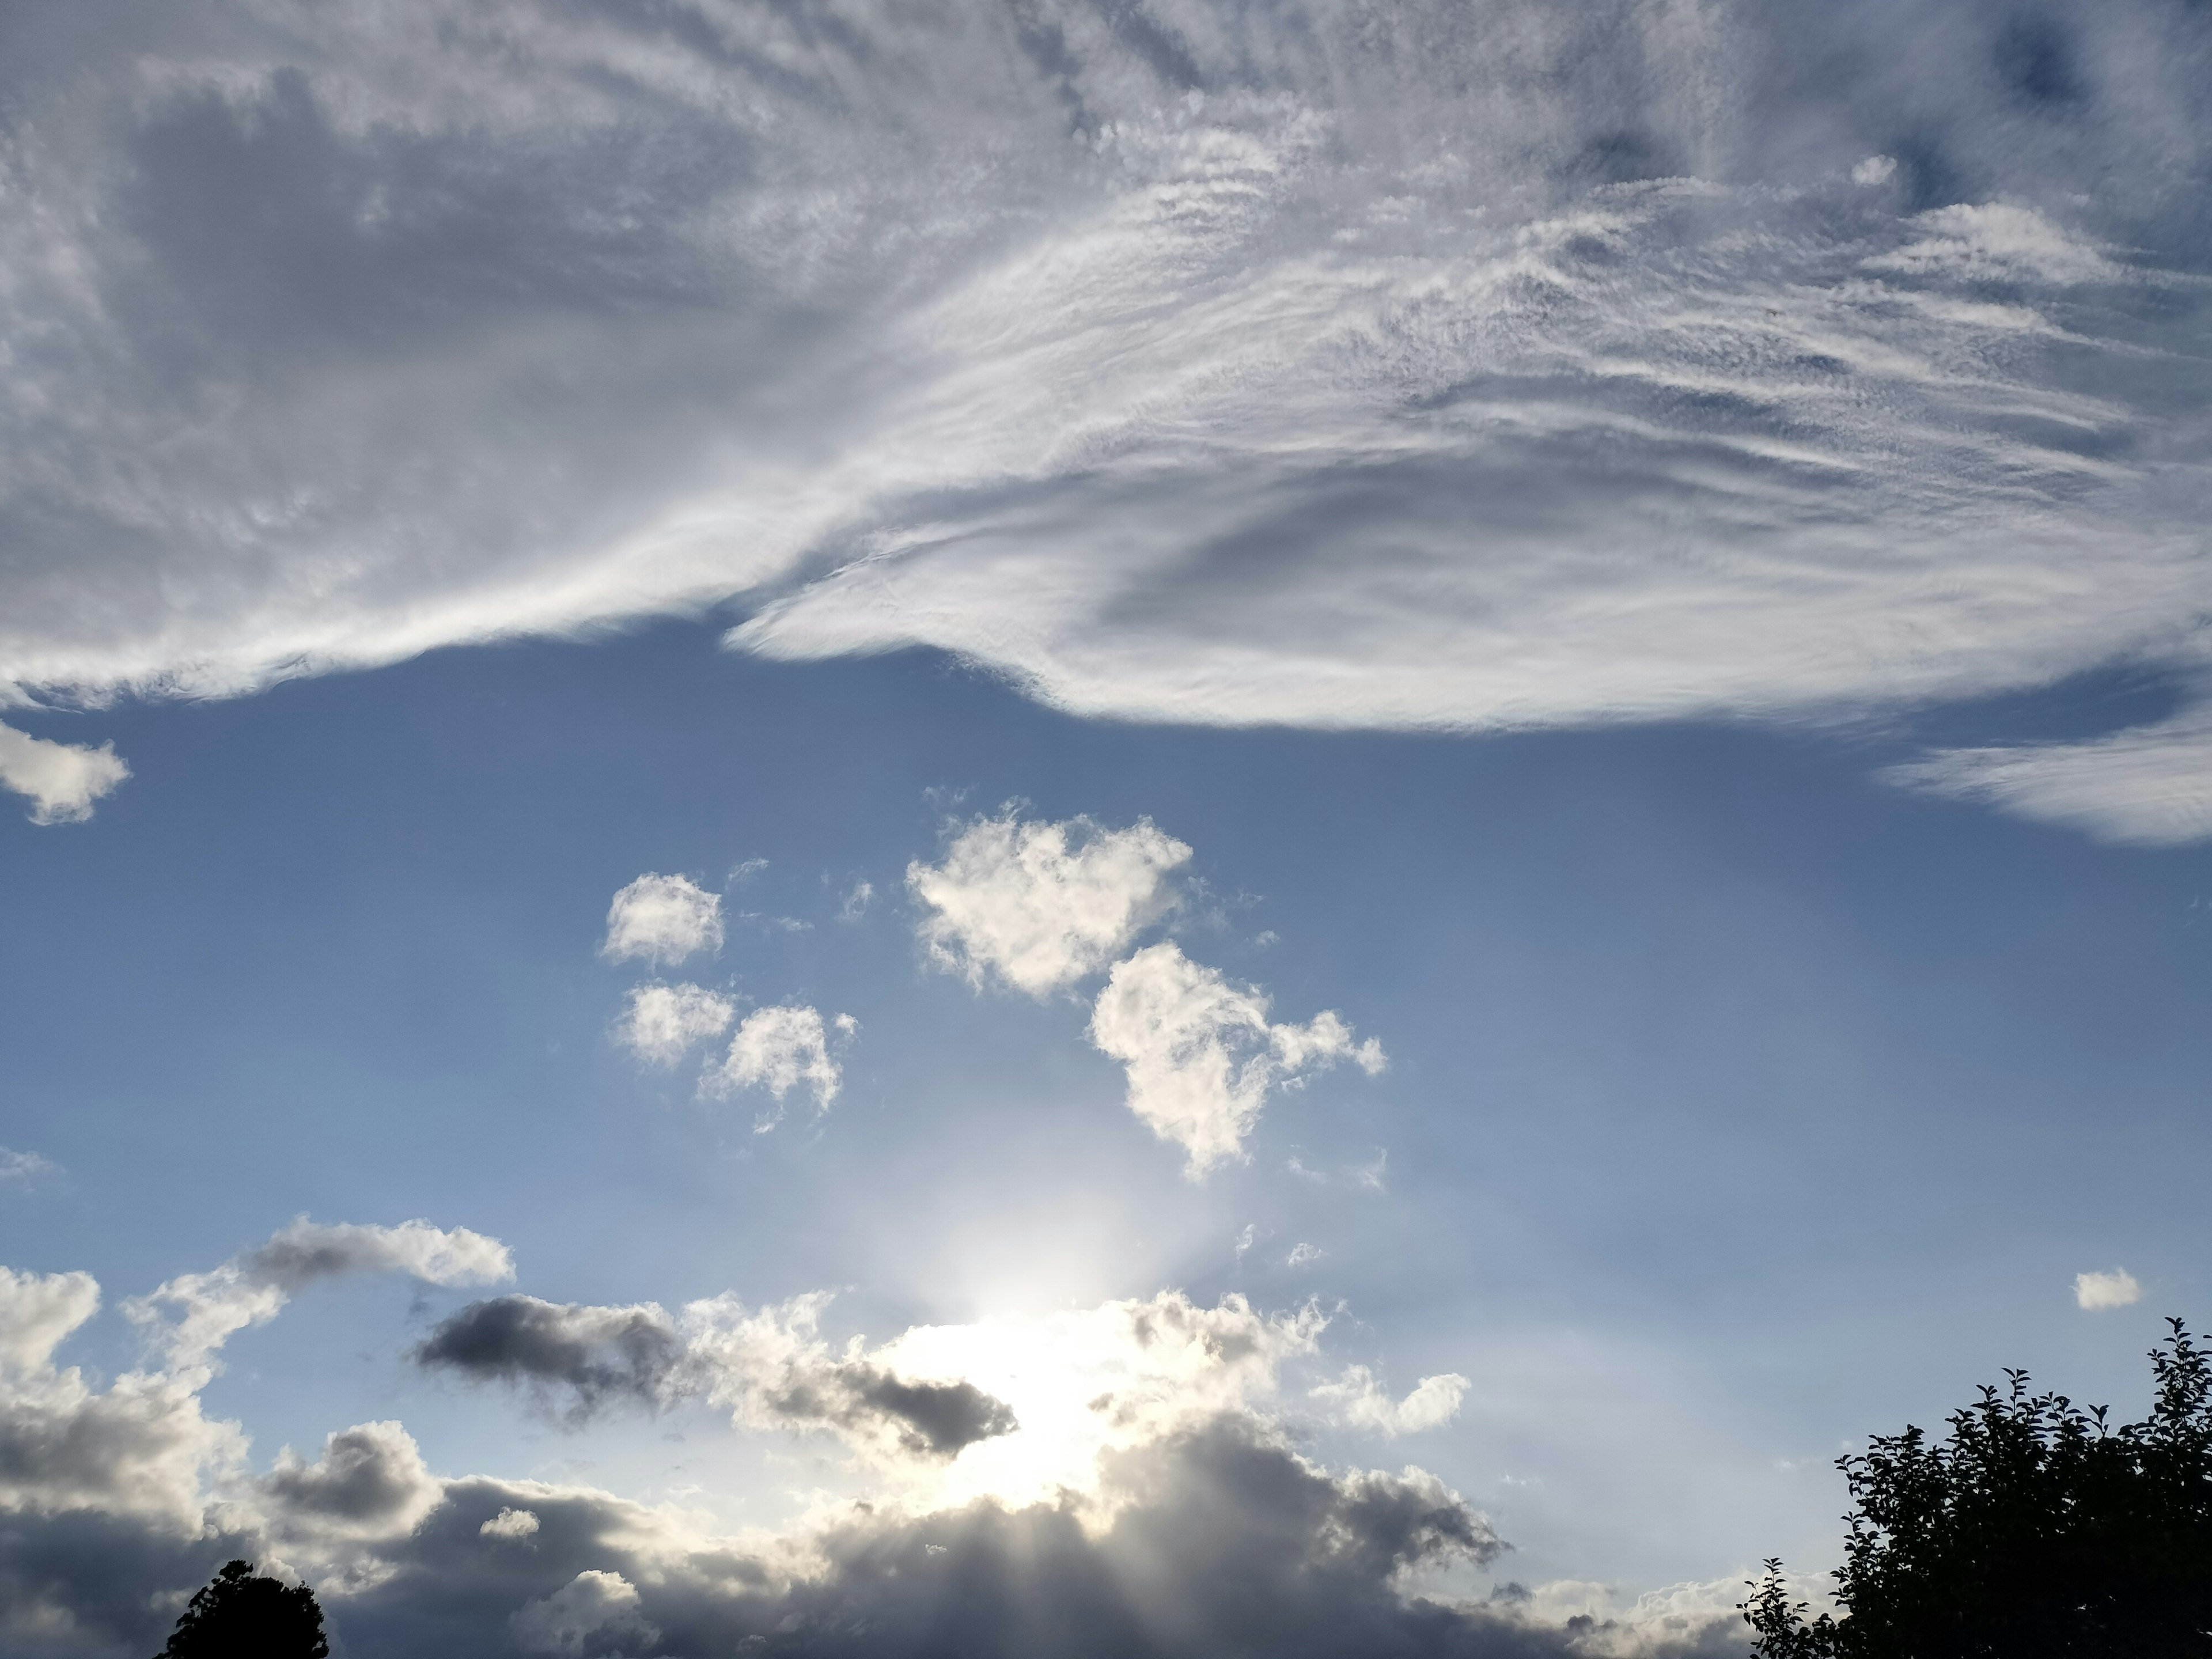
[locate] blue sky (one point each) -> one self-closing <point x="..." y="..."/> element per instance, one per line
<point x="1415" y="788"/>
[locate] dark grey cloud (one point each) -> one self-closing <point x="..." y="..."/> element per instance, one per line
<point x="1225" y="1542"/>
<point x="581" y="1360"/>
<point x="595" y="1357"/>
<point x="1448" y="366"/>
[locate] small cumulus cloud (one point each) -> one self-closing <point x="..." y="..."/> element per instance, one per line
<point x="1039" y="906"/>
<point x="1201" y="1053"/>
<point x="857" y="897"/>
<point x="1303" y="1255"/>
<point x="662" y="920"/>
<point x="510" y="1526"/>
<point x="661" y="1024"/>
<point x="778" y="1049"/>
<point x="2098" y="1290"/>
<point x="1874" y="170"/>
<point x="61" y="780"/>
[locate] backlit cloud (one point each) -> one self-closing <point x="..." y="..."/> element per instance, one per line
<point x="1039" y="906"/>
<point x="1201" y="1054"/>
<point x="1359" y="1401"/>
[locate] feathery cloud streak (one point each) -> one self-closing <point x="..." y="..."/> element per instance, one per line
<point x="1463" y="368"/>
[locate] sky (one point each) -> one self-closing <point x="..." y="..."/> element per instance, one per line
<point x="1165" y="828"/>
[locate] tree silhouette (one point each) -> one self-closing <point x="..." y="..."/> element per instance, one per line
<point x="239" y="1616"/>
<point x="2035" y="1529"/>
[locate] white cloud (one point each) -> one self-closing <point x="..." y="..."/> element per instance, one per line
<point x="1874" y="170"/>
<point x="777" y="1049"/>
<point x="1303" y="1255"/>
<point x="2149" y="786"/>
<point x="1384" y="384"/>
<point x="592" y="1605"/>
<point x="856" y="901"/>
<point x="2097" y="1291"/>
<point x="1042" y="905"/>
<point x="61" y="780"/>
<point x="511" y="1526"/>
<point x="661" y="1024"/>
<point x="1201" y="1053"/>
<point x="1358" y="1398"/>
<point x="24" y="1167"/>
<point x="662" y="920"/>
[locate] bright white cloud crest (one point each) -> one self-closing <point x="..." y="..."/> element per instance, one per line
<point x="1039" y="906"/>
<point x="1201" y="1054"/>
<point x="1358" y="1399"/>
<point x="662" y="920"/>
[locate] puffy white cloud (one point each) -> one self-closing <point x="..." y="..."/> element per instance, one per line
<point x="591" y="1612"/>
<point x="661" y="1024"/>
<point x="141" y="1448"/>
<point x="2097" y="1291"/>
<point x="1201" y="1053"/>
<point x="1358" y="1398"/>
<point x="777" y="1049"/>
<point x="63" y="779"/>
<point x="1040" y="906"/>
<point x="663" y="920"/>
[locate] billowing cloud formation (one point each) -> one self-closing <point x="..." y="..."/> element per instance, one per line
<point x="768" y="1368"/>
<point x="662" y="919"/>
<point x="61" y="780"/>
<point x="661" y="1024"/>
<point x="2116" y="1289"/>
<point x="777" y="1049"/>
<point x="209" y="1308"/>
<point x="370" y="1482"/>
<point x="1040" y="906"/>
<point x="1201" y="1053"/>
<point x="1167" y="1517"/>
<point x="1453" y="367"/>
<point x="593" y="1613"/>
<point x="1359" y="1401"/>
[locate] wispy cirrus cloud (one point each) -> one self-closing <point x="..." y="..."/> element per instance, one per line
<point x="1464" y="370"/>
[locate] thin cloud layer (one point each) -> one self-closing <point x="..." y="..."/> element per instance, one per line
<point x="1039" y="906"/>
<point x="1465" y="368"/>
<point x="1201" y="1053"/>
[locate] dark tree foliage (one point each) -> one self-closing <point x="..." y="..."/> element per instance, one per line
<point x="239" y="1616"/>
<point x="2036" y="1529"/>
